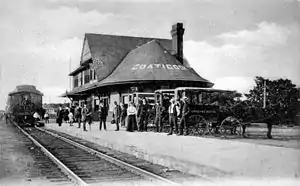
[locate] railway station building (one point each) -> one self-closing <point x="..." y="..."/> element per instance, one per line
<point x="112" y="67"/>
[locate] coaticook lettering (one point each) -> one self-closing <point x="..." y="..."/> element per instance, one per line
<point x="158" y="66"/>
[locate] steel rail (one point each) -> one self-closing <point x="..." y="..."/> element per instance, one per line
<point x="78" y="181"/>
<point x="122" y="164"/>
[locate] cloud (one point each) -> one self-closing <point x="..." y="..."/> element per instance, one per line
<point x="66" y="21"/>
<point x="240" y="84"/>
<point x="267" y="34"/>
<point x="57" y="52"/>
<point x="39" y="51"/>
<point x="269" y="51"/>
<point x="51" y="94"/>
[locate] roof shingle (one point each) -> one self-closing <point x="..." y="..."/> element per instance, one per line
<point x="151" y="62"/>
<point x="111" y="49"/>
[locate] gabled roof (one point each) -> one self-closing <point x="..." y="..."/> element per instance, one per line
<point x="151" y="62"/>
<point x="111" y="49"/>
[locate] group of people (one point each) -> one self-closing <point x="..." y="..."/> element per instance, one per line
<point x="178" y="110"/>
<point x="39" y="117"/>
<point x="75" y="114"/>
<point x="137" y="116"/>
<point x="133" y="114"/>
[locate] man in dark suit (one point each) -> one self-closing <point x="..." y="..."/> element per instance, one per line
<point x="102" y="116"/>
<point x="117" y="115"/>
<point x="85" y="116"/>
<point x="143" y="111"/>
<point x="6" y="117"/>
<point x="60" y="115"/>
<point x="184" y="116"/>
<point x="78" y="116"/>
<point x="173" y="114"/>
<point x="158" y="112"/>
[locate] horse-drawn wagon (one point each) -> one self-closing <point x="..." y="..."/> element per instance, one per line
<point x="205" y="116"/>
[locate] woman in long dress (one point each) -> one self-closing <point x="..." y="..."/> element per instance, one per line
<point x="131" y="113"/>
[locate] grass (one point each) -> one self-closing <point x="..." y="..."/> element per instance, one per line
<point x="288" y="137"/>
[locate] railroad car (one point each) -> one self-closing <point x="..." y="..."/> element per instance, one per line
<point x="23" y="102"/>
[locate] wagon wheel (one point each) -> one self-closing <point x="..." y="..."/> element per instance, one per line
<point x="210" y="128"/>
<point x="150" y="122"/>
<point x="244" y="125"/>
<point x="165" y="124"/>
<point x="223" y="128"/>
<point x="222" y="131"/>
<point x="202" y="126"/>
<point x="239" y="128"/>
<point x="231" y="124"/>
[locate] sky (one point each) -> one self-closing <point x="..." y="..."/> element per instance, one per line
<point x="228" y="42"/>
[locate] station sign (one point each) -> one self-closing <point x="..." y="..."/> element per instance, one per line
<point x="158" y="66"/>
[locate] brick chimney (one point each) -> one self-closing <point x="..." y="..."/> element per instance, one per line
<point x="177" y="40"/>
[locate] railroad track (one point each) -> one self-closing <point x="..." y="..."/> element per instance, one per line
<point x="85" y="166"/>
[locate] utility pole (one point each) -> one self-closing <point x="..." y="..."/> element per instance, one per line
<point x="264" y="104"/>
<point x="70" y="80"/>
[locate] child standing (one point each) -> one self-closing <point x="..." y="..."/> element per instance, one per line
<point x="46" y="117"/>
<point x="71" y="118"/>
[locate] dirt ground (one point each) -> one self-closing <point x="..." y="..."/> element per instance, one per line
<point x="16" y="161"/>
<point x="283" y="136"/>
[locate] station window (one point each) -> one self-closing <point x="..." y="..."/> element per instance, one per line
<point x="125" y="99"/>
<point x="96" y="103"/>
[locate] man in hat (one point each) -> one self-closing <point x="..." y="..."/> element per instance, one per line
<point x="102" y="115"/>
<point x="78" y="115"/>
<point x="117" y="115"/>
<point x="84" y="116"/>
<point x="6" y="117"/>
<point x="173" y="114"/>
<point x="184" y="116"/>
<point x="158" y="112"/>
<point x="143" y="110"/>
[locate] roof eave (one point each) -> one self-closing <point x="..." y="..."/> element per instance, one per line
<point x="208" y="84"/>
<point x="86" y="62"/>
<point x="78" y="70"/>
